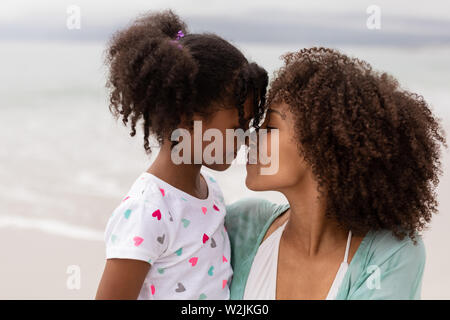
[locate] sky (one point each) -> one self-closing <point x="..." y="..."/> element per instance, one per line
<point x="402" y="23"/>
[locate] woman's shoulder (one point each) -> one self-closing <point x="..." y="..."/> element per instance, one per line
<point x="247" y="204"/>
<point x="385" y="267"/>
<point x="246" y="219"/>
<point x="384" y="245"/>
<point x="251" y="211"/>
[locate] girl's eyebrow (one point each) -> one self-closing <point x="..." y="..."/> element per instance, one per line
<point x="282" y="115"/>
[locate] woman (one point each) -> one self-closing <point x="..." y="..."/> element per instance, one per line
<point x="358" y="164"/>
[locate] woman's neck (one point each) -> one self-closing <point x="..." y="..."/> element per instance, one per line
<point x="308" y="228"/>
<point x="185" y="177"/>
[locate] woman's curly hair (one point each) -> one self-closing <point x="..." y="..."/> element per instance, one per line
<point x="373" y="147"/>
<point x="159" y="79"/>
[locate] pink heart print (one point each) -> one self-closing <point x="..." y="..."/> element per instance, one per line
<point x="204" y="210"/>
<point x="157" y="214"/>
<point x="224" y="259"/>
<point x="193" y="261"/>
<point x="215" y="208"/>
<point x="224" y="283"/>
<point x="127" y="197"/>
<point x="152" y="288"/>
<point x="205" y="238"/>
<point x="137" y="241"/>
<point x="162" y="191"/>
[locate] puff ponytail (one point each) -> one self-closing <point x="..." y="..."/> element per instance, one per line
<point x="157" y="80"/>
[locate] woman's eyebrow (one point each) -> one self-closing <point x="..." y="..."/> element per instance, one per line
<point x="282" y="115"/>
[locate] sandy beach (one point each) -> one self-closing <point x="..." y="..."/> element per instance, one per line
<point x="34" y="265"/>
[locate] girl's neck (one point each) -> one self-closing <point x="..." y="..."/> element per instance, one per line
<point x="308" y="227"/>
<point x="185" y="177"/>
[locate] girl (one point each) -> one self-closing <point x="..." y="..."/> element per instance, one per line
<point x="358" y="164"/>
<point x="166" y="239"/>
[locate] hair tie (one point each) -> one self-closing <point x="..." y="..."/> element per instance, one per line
<point x="180" y="35"/>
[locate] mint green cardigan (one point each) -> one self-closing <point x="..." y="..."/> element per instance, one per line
<point x="383" y="267"/>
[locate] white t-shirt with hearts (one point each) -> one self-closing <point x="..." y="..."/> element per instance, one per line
<point x="182" y="237"/>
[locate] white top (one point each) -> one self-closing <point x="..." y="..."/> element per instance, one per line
<point x="182" y="237"/>
<point x="262" y="280"/>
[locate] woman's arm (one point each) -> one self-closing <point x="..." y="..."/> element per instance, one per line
<point x="122" y="279"/>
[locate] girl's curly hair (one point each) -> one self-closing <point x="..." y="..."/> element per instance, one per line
<point x="157" y="79"/>
<point x="373" y="147"/>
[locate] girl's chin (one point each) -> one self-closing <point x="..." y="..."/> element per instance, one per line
<point x="251" y="169"/>
<point x="249" y="184"/>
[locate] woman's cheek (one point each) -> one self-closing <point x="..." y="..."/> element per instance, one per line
<point x="284" y="153"/>
<point x="259" y="178"/>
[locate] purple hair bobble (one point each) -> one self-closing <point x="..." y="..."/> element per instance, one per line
<point x="180" y="35"/>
